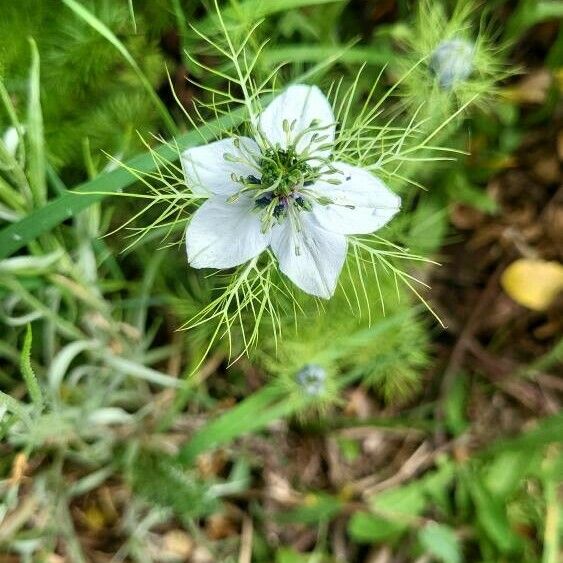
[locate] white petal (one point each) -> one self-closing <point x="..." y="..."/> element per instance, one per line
<point x="299" y="105"/>
<point x="361" y="204"/>
<point x="224" y="235"/>
<point x="311" y="258"/>
<point x="207" y="172"/>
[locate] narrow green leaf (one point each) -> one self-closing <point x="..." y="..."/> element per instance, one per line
<point x="36" y="164"/>
<point x="316" y="53"/>
<point x="364" y="527"/>
<point x="506" y="472"/>
<point x="551" y="535"/>
<point x="455" y="405"/>
<point x="401" y="502"/>
<point x="17" y="235"/>
<point x="27" y="371"/>
<point x="319" y="507"/>
<point x="253" y="413"/>
<point x="132" y="14"/>
<point x="529" y="13"/>
<point x="544" y="363"/>
<point x="547" y="431"/>
<point x="104" y="31"/>
<point x="492" y="516"/>
<point x="182" y="23"/>
<point x="288" y="555"/>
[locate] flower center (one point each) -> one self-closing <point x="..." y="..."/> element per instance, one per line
<point x="283" y="171"/>
<point x="283" y="189"/>
<point x="281" y="192"/>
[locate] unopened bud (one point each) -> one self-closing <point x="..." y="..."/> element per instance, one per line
<point x="452" y="62"/>
<point x="312" y="379"/>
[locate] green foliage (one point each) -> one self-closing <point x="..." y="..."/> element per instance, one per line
<point x="491" y="489"/>
<point x="318" y="508"/>
<point x="114" y="424"/>
<point x="441" y="542"/>
<point x="370" y="528"/>
<point x="386" y="346"/>
<point x="84" y="85"/>
<point x="163" y="481"/>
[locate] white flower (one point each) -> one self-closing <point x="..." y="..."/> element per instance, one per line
<point x="452" y="62"/>
<point x="282" y="190"/>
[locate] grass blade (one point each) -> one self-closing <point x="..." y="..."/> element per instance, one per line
<point x="250" y="415"/>
<point x="36" y="157"/>
<point x="253" y="10"/>
<point x="317" y="53"/>
<point x="132" y="14"/>
<point x="551" y="541"/>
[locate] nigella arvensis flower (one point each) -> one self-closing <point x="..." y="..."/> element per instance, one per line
<point x="452" y="62"/>
<point x="282" y="190"/>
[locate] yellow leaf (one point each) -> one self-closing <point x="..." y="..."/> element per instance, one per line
<point x="533" y="283"/>
<point x="94" y="517"/>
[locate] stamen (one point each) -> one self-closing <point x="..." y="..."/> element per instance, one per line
<point x="230" y="158"/>
<point x="279" y="191"/>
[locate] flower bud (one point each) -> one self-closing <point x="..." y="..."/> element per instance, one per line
<point x="452" y="62"/>
<point x="312" y="378"/>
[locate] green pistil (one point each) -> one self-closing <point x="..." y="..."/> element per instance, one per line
<point x="283" y="171"/>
